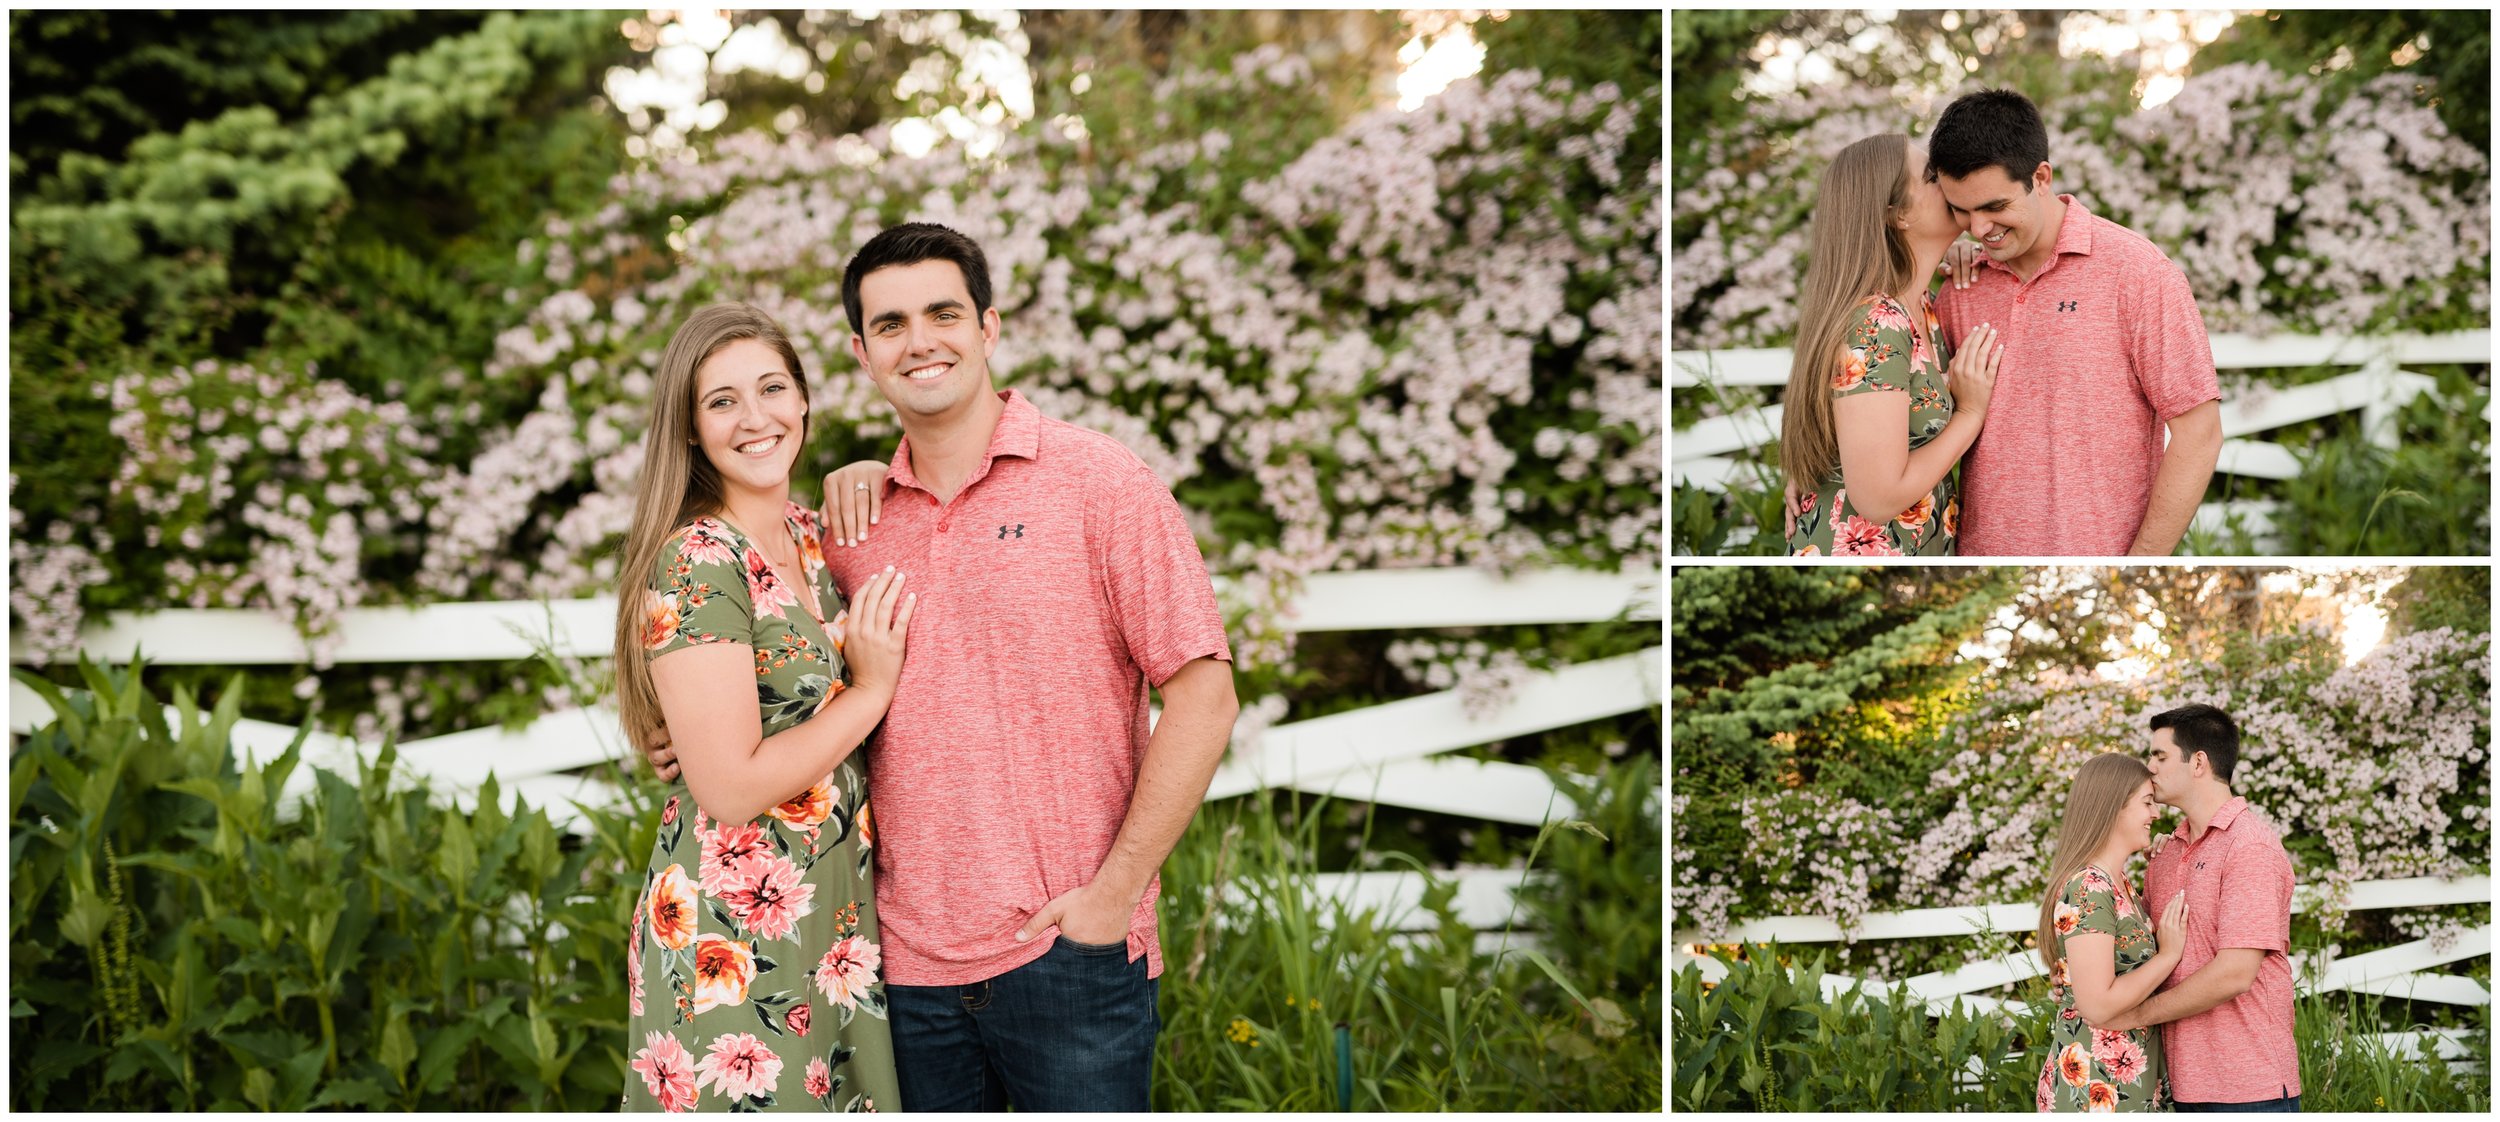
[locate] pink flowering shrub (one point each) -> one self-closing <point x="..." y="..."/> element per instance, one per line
<point x="255" y="487"/>
<point x="1432" y="338"/>
<point x="2377" y="770"/>
<point x="2286" y="213"/>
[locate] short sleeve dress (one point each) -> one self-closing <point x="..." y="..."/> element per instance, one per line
<point x="2088" y="1069"/>
<point x="1886" y="355"/>
<point x="755" y="952"/>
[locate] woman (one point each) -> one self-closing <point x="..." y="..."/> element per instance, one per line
<point x="754" y="949"/>
<point x="2099" y="944"/>
<point x="1872" y="430"/>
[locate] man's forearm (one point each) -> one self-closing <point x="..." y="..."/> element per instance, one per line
<point x="1181" y="758"/>
<point x="2187" y="466"/>
<point x="2218" y="982"/>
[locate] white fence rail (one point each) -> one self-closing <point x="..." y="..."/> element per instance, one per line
<point x="2408" y="970"/>
<point x="1703" y="454"/>
<point x="1392" y="754"/>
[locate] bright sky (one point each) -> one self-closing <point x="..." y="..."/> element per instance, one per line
<point x="669" y="91"/>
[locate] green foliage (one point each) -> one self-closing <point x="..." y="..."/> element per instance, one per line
<point x="1765" y="1038"/>
<point x="92" y="82"/>
<point x="189" y="934"/>
<point x="1589" y="47"/>
<point x="1705" y="46"/>
<point x="2436" y="596"/>
<point x="1844" y="665"/>
<point x="2449" y="48"/>
<point x="186" y="936"/>
<point x="2429" y="495"/>
<point x="362" y="228"/>
<point x="243" y="194"/>
<point x="1254" y="989"/>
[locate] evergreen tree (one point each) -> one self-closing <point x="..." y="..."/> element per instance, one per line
<point x="1791" y="676"/>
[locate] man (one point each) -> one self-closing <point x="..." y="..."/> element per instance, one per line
<point x="2226" y="1010"/>
<point x="2103" y="348"/>
<point x="1022" y="809"/>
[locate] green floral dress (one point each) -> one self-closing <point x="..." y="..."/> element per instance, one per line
<point x="2088" y="1069"/>
<point x="754" y="958"/>
<point x="1885" y="355"/>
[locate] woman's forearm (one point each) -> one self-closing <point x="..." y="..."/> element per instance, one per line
<point x="781" y="767"/>
<point x="2128" y="990"/>
<point x="1921" y="470"/>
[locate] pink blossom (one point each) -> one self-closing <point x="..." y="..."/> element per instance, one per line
<point x="768" y="895"/>
<point x="847" y="970"/>
<point x="667" y="1072"/>
<point x="739" y="1065"/>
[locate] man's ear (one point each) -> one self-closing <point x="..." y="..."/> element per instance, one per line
<point x="2040" y="177"/>
<point x="859" y="350"/>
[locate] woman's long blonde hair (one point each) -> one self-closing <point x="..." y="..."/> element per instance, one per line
<point x="676" y="486"/>
<point x="2103" y="788"/>
<point x="1857" y="252"/>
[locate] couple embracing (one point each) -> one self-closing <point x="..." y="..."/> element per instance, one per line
<point x="2193" y="1011"/>
<point x="2066" y="373"/>
<point x="987" y="936"/>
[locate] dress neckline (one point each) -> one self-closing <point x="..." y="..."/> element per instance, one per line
<point x="795" y="519"/>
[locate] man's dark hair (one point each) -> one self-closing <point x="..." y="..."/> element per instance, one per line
<point x="910" y="244"/>
<point x="1999" y="128"/>
<point x="2203" y="728"/>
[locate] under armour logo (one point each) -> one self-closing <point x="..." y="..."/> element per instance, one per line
<point x="2066" y="305"/>
<point x="1017" y="530"/>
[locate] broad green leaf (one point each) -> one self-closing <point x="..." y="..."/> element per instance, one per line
<point x="457" y="855"/>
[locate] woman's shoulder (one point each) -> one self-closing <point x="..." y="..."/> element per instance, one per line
<point x="704" y="541"/>
<point x="2089" y="879"/>
<point x="1883" y="309"/>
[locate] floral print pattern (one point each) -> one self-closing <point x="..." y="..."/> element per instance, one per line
<point x="746" y="930"/>
<point x="1885" y="354"/>
<point x="2090" y="1069"/>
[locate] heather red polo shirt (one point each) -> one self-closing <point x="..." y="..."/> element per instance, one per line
<point x="2239" y="892"/>
<point x="2102" y="349"/>
<point x="1057" y="585"/>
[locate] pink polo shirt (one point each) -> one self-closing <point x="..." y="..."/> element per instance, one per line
<point x="1057" y="585"/>
<point x="2239" y="893"/>
<point x="2102" y="349"/>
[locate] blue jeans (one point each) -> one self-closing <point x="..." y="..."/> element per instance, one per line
<point x="2288" y="1104"/>
<point x="1071" y="1030"/>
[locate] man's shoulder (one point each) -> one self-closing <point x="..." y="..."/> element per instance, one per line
<point x="2254" y="828"/>
<point x="2124" y="247"/>
<point x="1091" y="460"/>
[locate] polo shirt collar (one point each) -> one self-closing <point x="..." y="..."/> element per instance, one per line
<point x="1019" y="433"/>
<point x="2230" y="811"/>
<point x="2074" y="234"/>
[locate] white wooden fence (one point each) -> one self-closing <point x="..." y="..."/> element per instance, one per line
<point x="2408" y="970"/>
<point x="1391" y="753"/>
<point x="2380" y="387"/>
